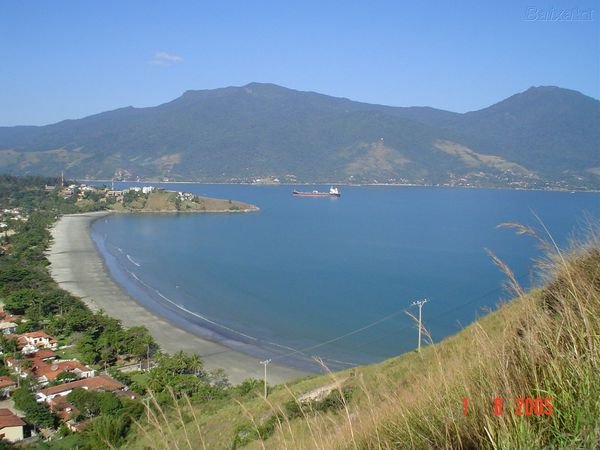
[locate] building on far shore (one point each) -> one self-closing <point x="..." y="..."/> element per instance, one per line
<point x="118" y="195"/>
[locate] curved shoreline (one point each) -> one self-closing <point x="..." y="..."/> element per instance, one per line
<point x="77" y="267"/>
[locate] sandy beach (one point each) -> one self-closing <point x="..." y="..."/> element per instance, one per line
<point x="78" y="268"/>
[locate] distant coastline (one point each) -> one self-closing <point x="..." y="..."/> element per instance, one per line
<point x="345" y="183"/>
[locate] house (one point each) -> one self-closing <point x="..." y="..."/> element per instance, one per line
<point x="8" y="327"/>
<point x="67" y="414"/>
<point x="7" y="317"/>
<point x="31" y="342"/>
<point x="118" y="195"/>
<point x="7" y="386"/>
<point x="46" y="372"/>
<point x="23" y="367"/>
<point x="11" y="426"/>
<point x="63" y="409"/>
<point x="44" y="354"/>
<point x="99" y="383"/>
<point x="19" y="365"/>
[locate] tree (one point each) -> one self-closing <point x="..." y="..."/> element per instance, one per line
<point x="182" y="372"/>
<point x="106" y="432"/>
<point x="65" y="377"/>
<point x="8" y="345"/>
<point x="17" y="302"/>
<point x="93" y="403"/>
<point x="35" y="413"/>
<point x="85" y="402"/>
<point x="138" y="342"/>
<point x="87" y="349"/>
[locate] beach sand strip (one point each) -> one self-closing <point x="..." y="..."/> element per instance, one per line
<point x="78" y="268"/>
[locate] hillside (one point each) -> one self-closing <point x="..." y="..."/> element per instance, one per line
<point x="161" y="201"/>
<point x="525" y="376"/>
<point x="543" y="135"/>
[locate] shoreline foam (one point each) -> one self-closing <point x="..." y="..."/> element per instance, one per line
<point x="77" y="267"/>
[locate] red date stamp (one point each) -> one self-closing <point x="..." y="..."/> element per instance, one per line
<point x="524" y="406"/>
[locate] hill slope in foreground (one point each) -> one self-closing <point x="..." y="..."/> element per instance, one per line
<point x="525" y="376"/>
<point x="544" y="136"/>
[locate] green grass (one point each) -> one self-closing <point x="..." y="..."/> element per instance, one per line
<point x="68" y="353"/>
<point x="140" y="378"/>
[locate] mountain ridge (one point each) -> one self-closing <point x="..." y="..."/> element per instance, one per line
<point x="265" y="131"/>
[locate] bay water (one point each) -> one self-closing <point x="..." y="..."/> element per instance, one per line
<point x="333" y="277"/>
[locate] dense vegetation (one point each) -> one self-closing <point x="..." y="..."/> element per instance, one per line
<point x="27" y="289"/>
<point x="241" y="133"/>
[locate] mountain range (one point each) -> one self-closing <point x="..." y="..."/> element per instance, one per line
<point x="543" y="137"/>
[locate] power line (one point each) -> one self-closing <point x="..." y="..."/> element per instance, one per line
<point x="399" y="331"/>
<point x="331" y="341"/>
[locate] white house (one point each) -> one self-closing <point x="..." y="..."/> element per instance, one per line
<point x="11" y="426"/>
<point x="99" y="383"/>
<point x="34" y="340"/>
<point x="8" y="327"/>
<point x="47" y="372"/>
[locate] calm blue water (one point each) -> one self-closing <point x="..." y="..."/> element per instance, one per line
<point x="305" y="271"/>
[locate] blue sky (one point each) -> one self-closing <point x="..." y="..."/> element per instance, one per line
<point x="68" y="59"/>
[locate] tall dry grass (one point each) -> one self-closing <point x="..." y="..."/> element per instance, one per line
<point x="546" y="345"/>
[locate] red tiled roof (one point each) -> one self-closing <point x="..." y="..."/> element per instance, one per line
<point x="6" y="382"/>
<point x="100" y="382"/>
<point x="38" y="334"/>
<point x="8" y="419"/>
<point x="43" y="353"/>
<point x="63" y="408"/>
<point x="9" y="317"/>
<point x="54" y="369"/>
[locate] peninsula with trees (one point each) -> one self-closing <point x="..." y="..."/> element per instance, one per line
<point x="146" y="199"/>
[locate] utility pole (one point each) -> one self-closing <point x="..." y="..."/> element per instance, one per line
<point x="265" y="363"/>
<point x="420" y="304"/>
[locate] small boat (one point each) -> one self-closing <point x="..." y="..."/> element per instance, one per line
<point x="333" y="192"/>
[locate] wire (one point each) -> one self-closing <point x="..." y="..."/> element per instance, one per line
<point x="338" y="338"/>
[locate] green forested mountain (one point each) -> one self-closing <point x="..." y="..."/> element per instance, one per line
<point x="545" y="134"/>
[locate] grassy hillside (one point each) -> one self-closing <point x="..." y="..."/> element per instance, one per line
<point x="543" y="345"/>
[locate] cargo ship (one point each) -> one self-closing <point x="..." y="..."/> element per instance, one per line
<point x="333" y="192"/>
